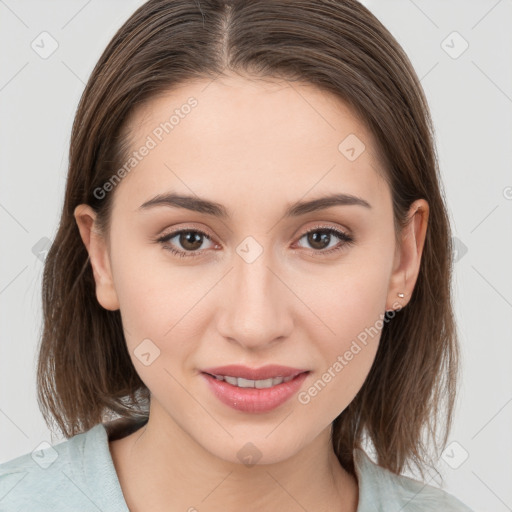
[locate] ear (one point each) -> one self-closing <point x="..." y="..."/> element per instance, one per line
<point x="407" y="261"/>
<point x="96" y="246"/>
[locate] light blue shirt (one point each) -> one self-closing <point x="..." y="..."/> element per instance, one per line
<point x="79" y="475"/>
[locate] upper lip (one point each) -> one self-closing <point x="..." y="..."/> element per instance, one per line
<point x="265" y="372"/>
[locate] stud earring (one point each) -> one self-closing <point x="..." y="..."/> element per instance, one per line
<point x="401" y="295"/>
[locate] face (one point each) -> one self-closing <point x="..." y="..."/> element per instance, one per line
<point x="266" y="283"/>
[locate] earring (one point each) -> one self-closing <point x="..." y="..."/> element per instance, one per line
<point x="401" y="295"/>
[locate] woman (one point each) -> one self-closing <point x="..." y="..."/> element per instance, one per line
<point x="251" y="276"/>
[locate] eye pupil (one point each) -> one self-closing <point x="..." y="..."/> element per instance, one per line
<point x="191" y="240"/>
<point x="323" y="239"/>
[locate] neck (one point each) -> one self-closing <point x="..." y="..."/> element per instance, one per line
<point x="171" y="471"/>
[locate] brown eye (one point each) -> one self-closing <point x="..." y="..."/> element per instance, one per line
<point x="188" y="241"/>
<point x="320" y="239"/>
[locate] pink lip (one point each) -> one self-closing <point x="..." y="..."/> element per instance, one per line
<point x="254" y="400"/>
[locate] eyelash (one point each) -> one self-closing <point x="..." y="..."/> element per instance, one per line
<point x="346" y="240"/>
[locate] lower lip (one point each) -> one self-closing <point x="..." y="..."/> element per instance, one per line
<point x="253" y="399"/>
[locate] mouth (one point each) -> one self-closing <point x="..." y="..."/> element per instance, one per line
<point x="240" y="382"/>
<point x="270" y="371"/>
<point x="241" y="389"/>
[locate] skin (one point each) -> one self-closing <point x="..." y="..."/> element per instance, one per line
<point x="255" y="146"/>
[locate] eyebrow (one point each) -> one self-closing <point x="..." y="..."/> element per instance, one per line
<point x="207" y="207"/>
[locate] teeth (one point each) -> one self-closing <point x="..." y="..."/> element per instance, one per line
<point x="267" y="383"/>
<point x="248" y="383"/>
<point x="231" y="380"/>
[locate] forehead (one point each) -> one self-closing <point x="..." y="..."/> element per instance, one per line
<point x="272" y="139"/>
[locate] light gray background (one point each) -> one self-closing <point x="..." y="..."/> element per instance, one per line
<point x="471" y="102"/>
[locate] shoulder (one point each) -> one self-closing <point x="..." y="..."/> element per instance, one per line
<point x="66" y="476"/>
<point x="381" y="489"/>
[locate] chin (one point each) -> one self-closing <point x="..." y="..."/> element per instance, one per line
<point x="256" y="448"/>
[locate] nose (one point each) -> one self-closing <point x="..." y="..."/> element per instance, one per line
<point x="256" y="305"/>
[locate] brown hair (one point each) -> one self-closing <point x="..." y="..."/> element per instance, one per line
<point x="84" y="369"/>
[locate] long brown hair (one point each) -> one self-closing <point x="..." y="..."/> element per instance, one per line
<point x="84" y="369"/>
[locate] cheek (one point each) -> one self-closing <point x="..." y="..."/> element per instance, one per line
<point x="159" y="302"/>
<point x="139" y="291"/>
<point x="347" y="357"/>
<point x="152" y="292"/>
<point x="352" y="311"/>
<point x="348" y="299"/>
<point x="147" y="294"/>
